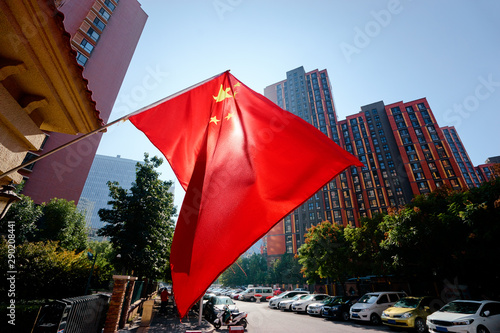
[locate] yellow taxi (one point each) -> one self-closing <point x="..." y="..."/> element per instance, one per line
<point x="409" y="312"/>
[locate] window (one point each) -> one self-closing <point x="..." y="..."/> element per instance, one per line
<point x="104" y="13"/>
<point x="289" y="246"/>
<point x="81" y="59"/>
<point x="110" y="5"/>
<point x="99" y="24"/>
<point x="87" y="46"/>
<point x="93" y="34"/>
<point x="29" y="156"/>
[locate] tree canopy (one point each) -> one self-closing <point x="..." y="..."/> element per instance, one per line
<point x="139" y="222"/>
<point x="442" y="235"/>
<point x="57" y="220"/>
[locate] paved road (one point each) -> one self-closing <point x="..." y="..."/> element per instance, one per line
<point x="262" y="319"/>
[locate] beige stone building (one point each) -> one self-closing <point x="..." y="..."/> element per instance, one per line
<point x="41" y="84"/>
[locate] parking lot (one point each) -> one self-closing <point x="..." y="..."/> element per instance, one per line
<point x="263" y="319"/>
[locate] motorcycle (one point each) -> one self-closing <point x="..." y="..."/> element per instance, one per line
<point x="227" y="318"/>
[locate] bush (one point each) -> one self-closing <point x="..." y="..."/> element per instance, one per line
<point x="45" y="271"/>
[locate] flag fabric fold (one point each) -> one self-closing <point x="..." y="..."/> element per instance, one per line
<point x="244" y="162"/>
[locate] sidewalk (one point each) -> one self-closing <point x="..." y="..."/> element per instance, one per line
<point x="170" y="323"/>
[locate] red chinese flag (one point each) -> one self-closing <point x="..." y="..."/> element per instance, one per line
<point x="244" y="162"/>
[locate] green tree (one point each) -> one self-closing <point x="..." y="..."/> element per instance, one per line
<point x="103" y="269"/>
<point x="235" y="275"/>
<point x="256" y="269"/>
<point x="140" y="224"/>
<point x="447" y="234"/>
<point x="25" y="213"/>
<point x="325" y="253"/>
<point x="368" y="257"/>
<point x="61" y="221"/>
<point x="287" y="270"/>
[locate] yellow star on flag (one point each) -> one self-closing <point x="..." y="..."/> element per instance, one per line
<point x="223" y="94"/>
<point x="229" y="116"/>
<point x="214" y="120"/>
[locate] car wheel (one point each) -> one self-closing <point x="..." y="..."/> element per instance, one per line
<point x="345" y="316"/>
<point x="244" y="323"/>
<point x="305" y="311"/>
<point x="374" y="319"/>
<point x="482" y="329"/>
<point x="420" y="325"/>
<point x="252" y="299"/>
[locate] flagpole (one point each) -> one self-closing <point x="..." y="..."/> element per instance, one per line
<point x="201" y="311"/>
<point x="102" y="129"/>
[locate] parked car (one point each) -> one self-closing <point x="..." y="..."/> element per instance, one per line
<point x="277" y="291"/>
<point x="287" y="304"/>
<point x="302" y="304"/>
<point x="250" y="293"/>
<point x="371" y="305"/>
<point x="234" y="292"/>
<point x="409" y="312"/>
<point x="338" y="307"/>
<point x="316" y="309"/>
<point x="466" y="316"/>
<point x="275" y="301"/>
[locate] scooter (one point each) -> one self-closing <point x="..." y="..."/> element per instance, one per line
<point x="227" y="318"/>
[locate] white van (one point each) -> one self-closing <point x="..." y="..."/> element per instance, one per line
<point x="371" y="305"/>
<point x="249" y="294"/>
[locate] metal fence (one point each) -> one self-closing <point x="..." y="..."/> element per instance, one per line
<point x="84" y="314"/>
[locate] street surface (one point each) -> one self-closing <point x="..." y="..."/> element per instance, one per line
<point x="262" y="319"/>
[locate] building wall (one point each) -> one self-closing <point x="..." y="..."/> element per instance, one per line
<point x="63" y="174"/>
<point x="95" y="194"/>
<point x="427" y="158"/>
<point x="464" y="163"/>
<point x="403" y="149"/>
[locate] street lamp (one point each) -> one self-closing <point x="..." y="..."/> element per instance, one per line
<point x="7" y="194"/>
<point x="90" y="256"/>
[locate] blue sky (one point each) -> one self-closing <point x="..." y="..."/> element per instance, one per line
<point x="397" y="50"/>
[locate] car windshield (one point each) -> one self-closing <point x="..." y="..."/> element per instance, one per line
<point x="223" y="301"/>
<point x="300" y="296"/>
<point x="326" y="300"/>
<point x="340" y="300"/>
<point x="308" y="297"/>
<point x="461" y="307"/>
<point x="406" y="302"/>
<point x="368" y="298"/>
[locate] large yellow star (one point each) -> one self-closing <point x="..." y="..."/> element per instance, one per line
<point x="223" y="94"/>
<point x="214" y="120"/>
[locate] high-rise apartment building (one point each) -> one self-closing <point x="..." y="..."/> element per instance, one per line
<point x="403" y="149"/>
<point x="464" y="163"/>
<point x="104" y="35"/>
<point x="95" y="194"/>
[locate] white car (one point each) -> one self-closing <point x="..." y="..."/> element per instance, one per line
<point x="302" y="304"/>
<point x="275" y="301"/>
<point x="466" y="316"/>
<point x="316" y="309"/>
<point x="371" y="305"/>
<point x="287" y="304"/>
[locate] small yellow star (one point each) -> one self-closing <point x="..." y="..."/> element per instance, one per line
<point x="229" y="116"/>
<point x="214" y="120"/>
